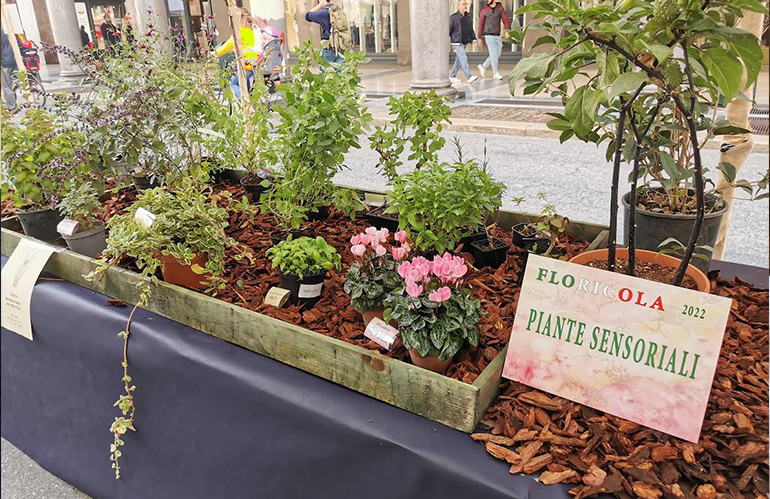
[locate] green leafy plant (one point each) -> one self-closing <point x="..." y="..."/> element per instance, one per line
<point x="373" y="275"/>
<point x="686" y="53"/>
<point x="419" y="119"/>
<point x="304" y="256"/>
<point x="320" y="122"/>
<point x="549" y="224"/>
<point x="437" y="204"/>
<point x="672" y="246"/>
<point x="436" y="314"/>
<point x="81" y="205"/>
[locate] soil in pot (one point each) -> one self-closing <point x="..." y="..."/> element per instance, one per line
<point x="652" y="228"/>
<point x="281" y="235"/>
<point x="429" y="362"/>
<point x="252" y="184"/>
<point x="537" y="249"/>
<point x="524" y="235"/>
<point x="649" y="265"/>
<point x="489" y="253"/>
<point x="469" y="237"/>
<point x="305" y="291"/>
<point x="90" y="242"/>
<point x="40" y="224"/>
<point x="378" y="218"/>
<point x="143" y="182"/>
<point x="177" y="273"/>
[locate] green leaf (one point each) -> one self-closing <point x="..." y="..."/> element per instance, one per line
<point x="536" y="64"/>
<point x="728" y="170"/>
<point x="581" y="110"/>
<point x="725" y="69"/>
<point x="747" y="48"/>
<point x="626" y="83"/>
<point x="730" y="130"/>
<point x="659" y="51"/>
<point x="670" y="166"/>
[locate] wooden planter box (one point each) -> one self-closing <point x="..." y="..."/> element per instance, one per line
<point x="434" y="396"/>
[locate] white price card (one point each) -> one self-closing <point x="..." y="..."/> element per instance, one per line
<point x="144" y="218"/>
<point x="67" y="227"/>
<point x="18" y="280"/>
<point x="310" y="290"/>
<point x="382" y="333"/>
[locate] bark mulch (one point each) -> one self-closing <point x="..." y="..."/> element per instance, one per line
<point x="569" y="443"/>
<point x="8" y="210"/>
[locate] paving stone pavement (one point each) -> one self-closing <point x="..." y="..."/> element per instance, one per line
<point x="576" y="178"/>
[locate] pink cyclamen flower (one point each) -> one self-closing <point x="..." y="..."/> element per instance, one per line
<point x="355" y="239"/>
<point x="398" y="253"/>
<point x="404" y="269"/>
<point x="383" y="234"/>
<point x="375" y="242"/>
<point x="380" y="250"/>
<point x="358" y="249"/>
<point x="413" y="290"/>
<point x="400" y="236"/>
<point x="364" y="239"/>
<point x="440" y="295"/>
<point x="371" y="231"/>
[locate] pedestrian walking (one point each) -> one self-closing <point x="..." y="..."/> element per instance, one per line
<point x="489" y="28"/>
<point x="85" y="40"/>
<point x="8" y="63"/>
<point x="334" y="29"/>
<point x="109" y="33"/>
<point x="460" y="35"/>
<point x="252" y="41"/>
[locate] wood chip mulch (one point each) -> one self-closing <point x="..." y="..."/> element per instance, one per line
<point x="8" y="209"/>
<point x="566" y="442"/>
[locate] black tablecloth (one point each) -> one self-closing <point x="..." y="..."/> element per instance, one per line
<point x="217" y="421"/>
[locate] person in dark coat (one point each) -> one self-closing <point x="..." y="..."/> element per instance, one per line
<point x="84" y="38"/>
<point x="109" y="33"/>
<point x="460" y="35"/>
<point x="8" y="63"/>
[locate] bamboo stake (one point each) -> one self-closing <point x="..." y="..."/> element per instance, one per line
<point x="234" y="14"/>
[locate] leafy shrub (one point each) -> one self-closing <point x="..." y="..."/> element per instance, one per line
<point x="81" y="205"/>
<point x="304" y="256"/>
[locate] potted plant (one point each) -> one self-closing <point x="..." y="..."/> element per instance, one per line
<point x="661" y="66"/>
<point x="321" y="120"/>
<point x="439" y="203"/>
<point x="80" y="205"/>
<point x="179" y="231"/>
<point x="39" y="167"/>
<point x="302" y="264"/>
<point x="435" y="313"/>
<point x="373" y="275"/>
<point x="541" y="234"/>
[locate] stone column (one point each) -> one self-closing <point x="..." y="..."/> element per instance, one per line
<point x="272" y="11"/>
<point x="66" y="32"/>
<point x="429" y="24"/>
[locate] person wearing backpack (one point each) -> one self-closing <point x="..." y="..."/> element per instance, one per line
<point x="460" y="35"/>
<point x="334" y="29"/>
<point x="489" y="29"/>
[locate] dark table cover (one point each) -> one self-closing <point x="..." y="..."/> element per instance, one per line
<point x="217" y="421"/>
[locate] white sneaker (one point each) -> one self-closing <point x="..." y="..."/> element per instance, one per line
<point x="472" y="79"/>
<point x="482" y="71"/>
<point x="454" y="80"/>
<point x="498" y="76"/>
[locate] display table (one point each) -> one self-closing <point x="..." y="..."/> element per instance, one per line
<point x="217" y="421"/>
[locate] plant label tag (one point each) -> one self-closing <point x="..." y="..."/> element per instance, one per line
<point x="310" y="290"/>
<point x="67" y="227"/>
<point x="382" y="333"/>
<point x="277" y="297"/>
<point x="374" y="199"/>
<point x="144" y="218"/>
<point x="18" y="280"/>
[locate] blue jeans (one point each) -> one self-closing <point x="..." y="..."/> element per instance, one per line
<point x="461" y="60"/>
<point x="236" y="88"/>
<point x="495" y="47"/>
<point x="331" y="56"/>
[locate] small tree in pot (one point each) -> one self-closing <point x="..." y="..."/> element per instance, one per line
<point x="688" y="51"/>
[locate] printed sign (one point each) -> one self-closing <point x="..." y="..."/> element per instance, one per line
<point x="310" y="290"/>
<point x="277" y="297"/>
<point x="638" y="349"/>
<point x="67" y="227"/>
<point x="382" y="333"/>
<point x="18" y="279"/>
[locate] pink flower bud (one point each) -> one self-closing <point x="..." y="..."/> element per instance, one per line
<point x="400" y="236"/>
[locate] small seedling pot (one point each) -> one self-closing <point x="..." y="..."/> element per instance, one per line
<point x="470" y="237"/>
<point x="429" y="362"/>
<point x="177" y="273"/>
<point x="523" y="241"/>
<point x="489" y="252"/>
<point x="701" y="280"/>
<point x="252" y="184"/>
<point x="378" y="218"/>
<point x="90" y="242"/>
<point x="40" y="224"/>
<point x="281" y="235"/>
<point x="321" y="213"/>
<point x="306" y="291"/>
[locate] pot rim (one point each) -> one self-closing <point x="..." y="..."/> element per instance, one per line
<point x="306" y="276"/>
<point x="100" y="227"/>
<point x="33" y="212"/>
<point x="701" y="280"/>
<point x="501" y="244"/>
<point x="670" y="216"/>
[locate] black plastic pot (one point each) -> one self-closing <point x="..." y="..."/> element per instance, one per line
<point x="377" y="218"/>
<point x="40" y="224"/>
<point x="280" y="235"/>
<point x="471" y="237"/>
<point x="252" y="184"/>
<point x="654" y="228"/>
<point x="142" y="182"/>
<point x="321" y="213"/>
<point x="489" y="253"/>
<point x="90" y="242"/>
<point x="306" y="291"/>
<point x="523" y="241"/>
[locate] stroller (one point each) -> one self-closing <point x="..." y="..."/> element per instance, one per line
<point x="272" y="60"/>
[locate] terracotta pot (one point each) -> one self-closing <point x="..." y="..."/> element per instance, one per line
<point x="701" y="281"/>
<point x="429" y="362"/>
<point x="380" y="314"/>
<point x="182" y="275"/>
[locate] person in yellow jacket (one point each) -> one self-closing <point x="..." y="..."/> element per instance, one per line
<point x="252" y="43"/>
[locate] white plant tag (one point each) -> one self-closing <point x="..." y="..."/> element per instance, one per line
<point x="381" y="333"/>
<point x="310" y="290"/>
<point x="144" y="218"/>
<point x="67" y="227"/>
<point x="277" y="297"/>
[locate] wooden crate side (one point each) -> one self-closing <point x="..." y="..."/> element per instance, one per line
<point x="439" y="398"/>
<point x="488" y="384"/>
